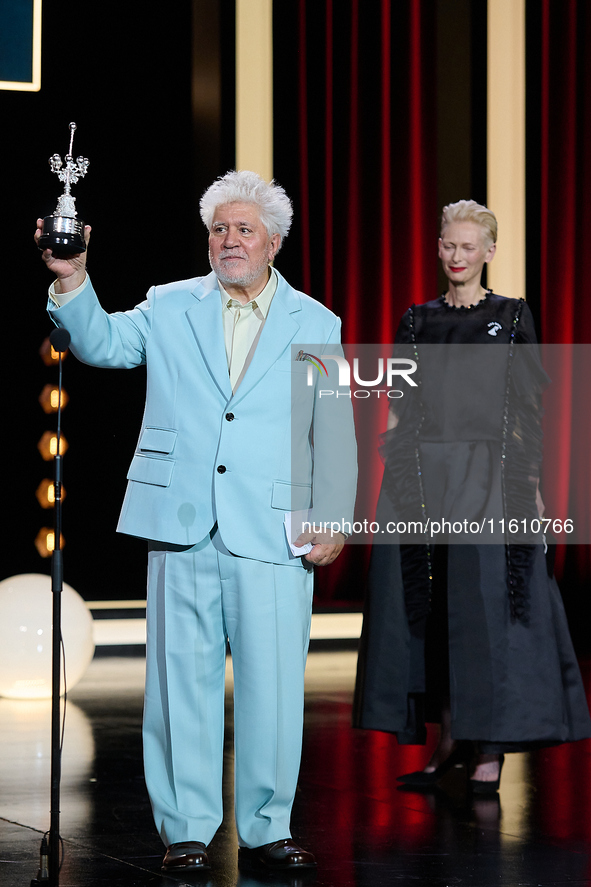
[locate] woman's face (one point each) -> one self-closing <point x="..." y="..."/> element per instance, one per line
<point x="464" y="250"/>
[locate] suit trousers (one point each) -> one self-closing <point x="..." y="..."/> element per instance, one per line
<point x="199" y="599"/>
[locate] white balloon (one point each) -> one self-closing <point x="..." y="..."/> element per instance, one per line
<point x="26" y="609"/>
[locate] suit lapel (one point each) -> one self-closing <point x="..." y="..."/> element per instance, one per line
<point x="205" y="318"/>
<point x="280" y="329"/>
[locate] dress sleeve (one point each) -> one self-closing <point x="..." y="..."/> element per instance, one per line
<point x="403" y="335"/>
<point x="529" y="377"/>
<point x="526" y="331"/>
<point x="524" y="418"/>
<point x="402" y="338"/>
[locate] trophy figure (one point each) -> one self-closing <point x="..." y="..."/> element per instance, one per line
<point x="63" y="233"/>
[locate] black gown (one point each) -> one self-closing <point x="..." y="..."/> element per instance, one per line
<point x="481" y="623"/>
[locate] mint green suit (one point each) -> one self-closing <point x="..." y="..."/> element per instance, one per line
<point x="211" y="479"/>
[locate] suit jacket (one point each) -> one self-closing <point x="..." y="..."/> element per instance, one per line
<point x="204" y="454"/>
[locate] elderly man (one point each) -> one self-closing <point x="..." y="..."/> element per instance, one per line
<point x="209" y="486"/>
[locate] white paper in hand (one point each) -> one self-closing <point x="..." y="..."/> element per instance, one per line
<point x="298" y="517"/>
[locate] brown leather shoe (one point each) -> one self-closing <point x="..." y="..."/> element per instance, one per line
<point x="188" y="856"/>
<point x="279" y="855"/>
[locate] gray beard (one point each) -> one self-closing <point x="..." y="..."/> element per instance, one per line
<point x="243" y="280"/>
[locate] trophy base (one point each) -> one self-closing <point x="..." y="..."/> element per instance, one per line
<point x="63" y="236"/>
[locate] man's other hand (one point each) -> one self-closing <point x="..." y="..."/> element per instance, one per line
<point x="327" y="546"/>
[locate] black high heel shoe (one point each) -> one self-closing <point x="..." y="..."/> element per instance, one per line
<point x="419" y="779"/>
<point x="480" y="787"/>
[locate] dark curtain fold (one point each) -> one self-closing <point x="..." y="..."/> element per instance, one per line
<point x="355" y="91"/>
<point x="559" y="119"/>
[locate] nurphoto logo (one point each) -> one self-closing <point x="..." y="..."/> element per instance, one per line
<point x="315" y="361"/>
<point x="399" y="368"/>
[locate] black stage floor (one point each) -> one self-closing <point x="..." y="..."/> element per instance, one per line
<point x="364" y="831"/>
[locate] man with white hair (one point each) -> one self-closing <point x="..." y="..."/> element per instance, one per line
<point x="209" y="486"/>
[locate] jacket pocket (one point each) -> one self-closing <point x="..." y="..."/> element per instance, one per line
<point x="157" y="440"/>
<point x="149" y="470"/>
<point x="300" y="368"/>
<point x="291" y="497"/>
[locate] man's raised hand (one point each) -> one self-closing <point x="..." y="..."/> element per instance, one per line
<point x="69" y="270"/>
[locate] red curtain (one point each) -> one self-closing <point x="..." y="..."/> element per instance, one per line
<point x="363" y="178"/>
<point x="565" y="186"/>
<point x="565" y="255"/>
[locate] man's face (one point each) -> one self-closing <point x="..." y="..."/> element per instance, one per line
<point x="239" y="247"/>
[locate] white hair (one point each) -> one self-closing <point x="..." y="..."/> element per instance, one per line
<point x="243" y="186"/>
<point x="470" y="211"/>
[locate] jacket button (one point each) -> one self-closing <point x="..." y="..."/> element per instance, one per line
<point x="229" y="417"/>
<point x="221" y="469"/>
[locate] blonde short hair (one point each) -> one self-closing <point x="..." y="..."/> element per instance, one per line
<point x="470" y="211"/>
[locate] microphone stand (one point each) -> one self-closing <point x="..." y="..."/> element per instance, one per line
<point x="49" y="868"/>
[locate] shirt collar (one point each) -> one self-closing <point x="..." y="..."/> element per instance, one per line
<point x="264" y="298"/>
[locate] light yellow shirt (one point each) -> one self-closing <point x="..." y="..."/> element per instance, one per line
<point x="243" y="325"/>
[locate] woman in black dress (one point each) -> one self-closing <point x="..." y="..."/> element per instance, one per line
<point x="471" y="635"/>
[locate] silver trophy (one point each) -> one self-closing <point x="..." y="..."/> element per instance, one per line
<point x="63" y="233"/>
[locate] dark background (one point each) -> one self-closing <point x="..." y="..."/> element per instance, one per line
<point x="128" y="86"/>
